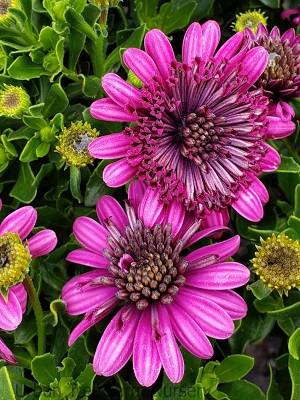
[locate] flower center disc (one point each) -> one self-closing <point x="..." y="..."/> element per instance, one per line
<point x="14" y="259"/>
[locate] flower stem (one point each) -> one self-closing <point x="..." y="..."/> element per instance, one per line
<point x="38" y="312"/>
<point x="21" y="379"/>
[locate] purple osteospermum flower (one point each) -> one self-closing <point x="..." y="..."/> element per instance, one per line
<point x="15" y="254"/>
<point x="199" y="133"/>
<point x="281" y="77"/>
<point x="292" y="11"/>
<point x="138" y="265"/>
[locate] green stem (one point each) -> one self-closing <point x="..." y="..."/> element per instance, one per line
<point x="21" y="379"/>
<point x="95" y="50"/>
<point x="30" y="347"/>
<point x="123" y="16"/>
<point x="291" y="150"/>
<point x="38" y="312"/>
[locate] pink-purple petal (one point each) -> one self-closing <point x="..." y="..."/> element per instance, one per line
<point x="116" y="344"/>
<point x="10" y="312"/>
<point x="110" y="146"/>
<point x="168" y="350"/>
<point x="211" y="35"/>
<point x="21" y="294"/>
<point x="108" y="208"/>
<point x="121" y="92"/>
<point x="150" y="210"/>
<point x="42" y="243"/>
<point x="257" y="187"/>
<point x="119" y="173"/>
<point x="86" y="257"/>
<point x="90" y="234"/>
<point x="249" y="205"/>
<point x="146" y="360"/>
<point x="189" y="333"/>
<point x="136" y="192"/>
<point x="108" y="110"/>
<point x="229" y="49"/>
<point x="279" y="129"/>
<point x="140" y="63"/>
<point x="192" y="43"/>
<point x="220" y="276"/>
<point x="174" y="214"/>
<point x="271" y="161"/>
<point x="160" y="50"/>
<point x="6" y="354"/>
<point x="21" y="221"/>
<point x="253" y="66"/>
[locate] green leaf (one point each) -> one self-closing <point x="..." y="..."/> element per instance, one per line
<point x="43" y="149"/>
<point x="86" y="379"/>
<point x="48" y="38"/>
<point x="294" y="344"/>
<point x="36" y="123"/>
<point x="91" y="85"/>
<point x="245" y="390"/>
<point x="57" y="306"/>
<point x="96" y="187"/>
<point x="202" y="10"/>
<point x="173" y="20"/>
<point x="25" y="331"/>
<point x="294" y="369"/>
<point x="271" y="3"/>
<point x="24" y="190"/>
<point x="44" y="369"/>
<point x="29" y="152"/>
<point x="6" y="389"/>
<point x="76" y="45"/>
<point x="45" y="170"/>
<point x="146" y="9"/>
<point x="286" y="325"/>
<point x="286" y="312"/>
<point x="273" y="392"/>
<point x="233" y="368"/>
<point x="297" y="201"/>
<point x="194" y="392"/>
<point x="78" y="23"/>
<point x="79" y="354"/>
<point x="68" y="367"/>
<point x="56" y="101"/>
<point x="23" y="68"/>
<point x="75" y="181"/>
<point x="288" y="164"/>
<point x="259" y="289"/>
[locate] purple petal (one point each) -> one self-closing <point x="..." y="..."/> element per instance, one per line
<point x="192" y="43"/>
<point x="21" y="221"/>
<point x="212" y="319"/>
<point x="81" y="295"/>
<point x="86" y="257"/>
<point x="116" y="344"/>
<point x="160" y="50"/>
<point x="211" y="34"/>
<point x="21" y="294"/>
<point x="189" y="333"/>
<point x="174" y="214"/>
<point x="91" y="234"/>
<point x="212" y="231"/>
<point x="257" y="187"/>
<point x="253" y="66"/>
<point x="231" y="302"/>
<point x="279" y="129"/>
<point x="119" y="173"/>
<point x="6" y="354"/>
<point x="121" y="92"/>
<point x="140" y="63"/>
<point x="146" y="361"/>
<point x="261" y="30"/>
<point x="42" y="243"/>
<point x="92" y="318"/>
<point x="108" y="208"/>
<point x="136" y="193"/>
<point x="110" y="146"/>
<point x="150" y="210"/>
<point x="10" y="312"/>
<point x="225" y="275"/>
<point x="223" y="250"/>
<point x="271" y="161"/>
<point x="108" y="110"/>
<point x="229" y="49"/>
<point x="275" y="33"/>
<point x="249" y="205"/>
<point x="168" y="350"/>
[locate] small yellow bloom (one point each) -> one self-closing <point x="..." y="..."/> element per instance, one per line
<point x="73" y="143"/>
<point x="249" y="19"/>
<point x="5" y="16"/>
<point x="14" y="101"/>
<point x="277" y="262"/>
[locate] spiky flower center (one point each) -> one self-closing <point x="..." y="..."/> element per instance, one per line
<point x="283" y="66"/>
<point x="14" y="101"/>
<point x="5" y="16"/>
<point x="144" y="264"/>
<point x="196" y="139"/>
<point x="277" y="262"/>
<point x="249" y="19"/>
<point x="14" y="259"/>
<point x="73" y="143"/>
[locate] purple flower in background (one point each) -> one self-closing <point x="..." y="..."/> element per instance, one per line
<point x="161" y="294"/>
<point x="296" y="15"/>
<point x="199" y="130"/>
<point x="281" y="77"/>
<point x="16" y="252"/>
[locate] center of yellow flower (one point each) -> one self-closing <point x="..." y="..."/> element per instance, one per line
<point x="249" y="19"/>
<point x="73" y="143"/>
<point x="14" y="259"/>
<point x="14" y="101"/>
<point x="277" y="262"/>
